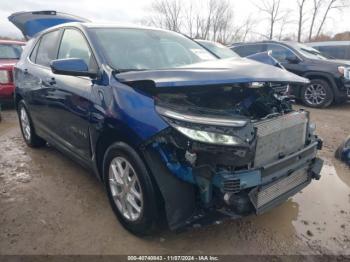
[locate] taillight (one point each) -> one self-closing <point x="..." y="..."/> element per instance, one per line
<point x="4" y="77"/>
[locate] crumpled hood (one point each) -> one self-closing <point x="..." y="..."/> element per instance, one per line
<point x="213" y="73"/>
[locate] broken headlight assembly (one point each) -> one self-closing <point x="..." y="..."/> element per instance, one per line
<point x="208" y="137"/>
<point x="204" y="136"/>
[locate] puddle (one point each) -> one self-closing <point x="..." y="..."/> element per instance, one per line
<point x="324" y="211"/>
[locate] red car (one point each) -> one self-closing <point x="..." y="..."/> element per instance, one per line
<point x="10" y="52"/>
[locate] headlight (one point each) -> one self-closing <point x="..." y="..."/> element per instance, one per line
<point x="4" y="77"/>
<point x="344" y="71"/>
<point x="208" y="137"/>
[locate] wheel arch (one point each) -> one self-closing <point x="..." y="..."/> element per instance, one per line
<point x="106" y="138"/>
<point x="323" y="76"/>
<point x="17" y="98"/>
<point x="110" y="136"/>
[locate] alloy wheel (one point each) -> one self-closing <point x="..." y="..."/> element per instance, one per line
<point x="25" y="124"/>
<point x="315" y="94"/>
<point x="125" y="188"/>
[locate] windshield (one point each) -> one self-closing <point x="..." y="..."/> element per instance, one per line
<point x="10" y="51"/>
<point x="219" y="49"/>
<point x="309" y="52"/>
<point x="143" y="49"/>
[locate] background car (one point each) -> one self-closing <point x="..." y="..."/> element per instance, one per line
<point x="10" y="52"/>
<point x="224" y="52"/>
<point x="333" y="49"/>
<point x="218" y="49"/>
<point x="328" y="81"/>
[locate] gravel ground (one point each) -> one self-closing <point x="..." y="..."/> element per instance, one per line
<point x="50" y="205"/>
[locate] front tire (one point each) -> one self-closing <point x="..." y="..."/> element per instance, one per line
<point x="130" y="190"/>
<point x="27" y="129"/>
<point x="318" y="94"/>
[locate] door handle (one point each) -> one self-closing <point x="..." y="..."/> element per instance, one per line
<point x="51" y="81"/>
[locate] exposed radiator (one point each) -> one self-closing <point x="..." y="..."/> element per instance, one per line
<point x="279" y="137"/>
<point x="270" y="192"/>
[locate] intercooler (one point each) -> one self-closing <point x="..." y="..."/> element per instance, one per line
<point x="265" y="195"/>
<point x="279" y="137"/>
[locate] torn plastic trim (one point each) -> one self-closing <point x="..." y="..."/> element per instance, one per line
<point x="182" y="172"/>
<point x="200" y="119"/>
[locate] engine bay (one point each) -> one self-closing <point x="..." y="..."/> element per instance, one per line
<point x="254" y="101"/>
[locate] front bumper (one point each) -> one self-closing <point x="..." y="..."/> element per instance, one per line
<point x="257" y="191"/>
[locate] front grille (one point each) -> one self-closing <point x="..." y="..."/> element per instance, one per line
<point x="268" y="193"/>
<point x="232" y="185"/>
<point x="279" y="137"/>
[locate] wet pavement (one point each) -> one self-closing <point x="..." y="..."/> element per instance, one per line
<point x="50" y="205"/>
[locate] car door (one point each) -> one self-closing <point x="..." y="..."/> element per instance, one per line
<point x="37" y="78"/>
<point x="69" y="100"/>
<point x="286" y="56"/>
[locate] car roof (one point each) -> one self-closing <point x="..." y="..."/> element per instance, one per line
<point x="262" y="42"/>
<point x="15" y="42"/>
<point x="329" y="43"/>
<point x="90" y="25"/>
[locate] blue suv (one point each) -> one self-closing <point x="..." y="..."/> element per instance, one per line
<point x="174" y="133"/>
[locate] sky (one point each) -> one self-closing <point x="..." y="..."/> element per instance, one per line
<point x="132" y="11"/>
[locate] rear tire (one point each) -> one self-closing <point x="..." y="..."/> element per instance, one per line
<point x="318" y="94"/>
<point x="130" y="190"/>
<point x="27" y="128"/>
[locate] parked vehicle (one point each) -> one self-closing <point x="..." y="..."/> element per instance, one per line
<point x="171" y="130"/>
<point x="10" y="52"/>
<point x="217" y="49"/>
<point x="333" y="49"/>
<point x="329" y="78"/>
<point x="343" y="152"/>
<point x="223" y="52"/>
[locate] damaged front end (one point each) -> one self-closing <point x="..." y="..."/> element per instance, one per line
<point x="230" y="150"/>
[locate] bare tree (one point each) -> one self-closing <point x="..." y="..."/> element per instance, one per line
<point x="167" y="14"/>
<point x="301" y="6"/>
<point x="272" y="9"/>
<point x="332" y="4"/>
<point x="315" y="10"/>
<point x="284" y="22"/>
<point x="240" y="32"/>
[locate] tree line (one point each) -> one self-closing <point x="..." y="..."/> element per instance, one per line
<point x="215" y="19"/>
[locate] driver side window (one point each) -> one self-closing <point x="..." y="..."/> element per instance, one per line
<point x="74" y="45"/>
<point x="280" y="53"/>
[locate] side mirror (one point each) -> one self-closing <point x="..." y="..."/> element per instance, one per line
<point x="292" y="59"/>
<point x="71" y="67"/>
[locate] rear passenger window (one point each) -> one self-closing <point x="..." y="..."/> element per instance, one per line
<point x="74" y="45"/>
<point x="246" y="50"/>
<point x="48" y="48"/>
